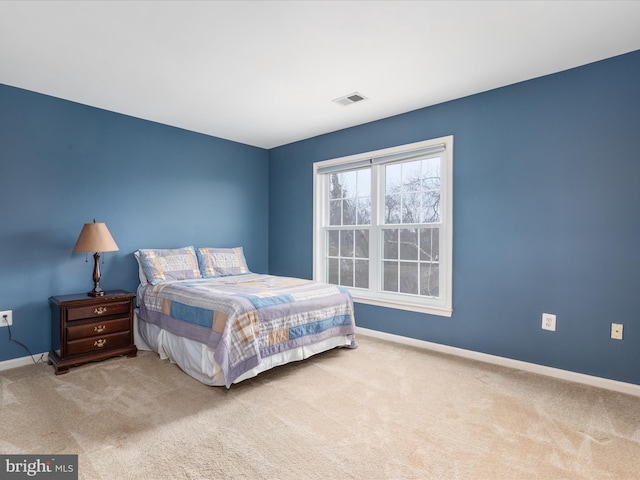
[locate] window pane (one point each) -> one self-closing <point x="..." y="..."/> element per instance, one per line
<point x="409" y="277"/>
<point x="346" y="243"/>
<point x="362" y="244"/>
<point x="362" y="274"/>
<point x="411" y="208"/>
<point x="390" y="244"/>
<point x="346" y="272"/>
<point x="409" y="244"/>
<point x="364" y="182"/>
<point x="425" y="243"/>
<point x="435" y="245"/>
<point x="335" y="189"/>
<point x="364" y="211"/>
<point x="431" y="174"/>
<point x="335" y="212"/>
<point x="333" y="271"/>
<point x="431" y="207"/>
<point x="348" y="212"/>
<point x="393" y="178"/>
<point x="392" y="209"/>
<point x="334" y="242"/>
<point x="348" y="182"/>
<point x="390" y="276"/>
<point x="429" y="280"/>
<point x="411" y="179"/>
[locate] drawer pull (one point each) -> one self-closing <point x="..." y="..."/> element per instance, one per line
<point x="100" y="343"/>
<point x="100" y="310"/>
<point x="99" y="328"/>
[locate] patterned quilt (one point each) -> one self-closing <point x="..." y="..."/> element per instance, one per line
<point x="245" y="318"/>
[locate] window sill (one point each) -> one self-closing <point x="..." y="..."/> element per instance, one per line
<point x="412" y="307"/>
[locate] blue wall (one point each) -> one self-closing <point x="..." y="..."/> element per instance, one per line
<point x="546" y="195"/>
<point x="546" y="217"/>
<point x="63" y="164"/>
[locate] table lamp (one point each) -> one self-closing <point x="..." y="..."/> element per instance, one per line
<point x="95" y="237"/>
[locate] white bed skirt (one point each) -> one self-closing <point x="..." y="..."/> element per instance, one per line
<point x="196" y="359"/>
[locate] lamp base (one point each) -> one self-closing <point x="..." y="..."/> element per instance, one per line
<point x="97" y="291"/>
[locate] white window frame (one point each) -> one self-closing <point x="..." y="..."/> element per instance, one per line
<point x="374" y="295"/>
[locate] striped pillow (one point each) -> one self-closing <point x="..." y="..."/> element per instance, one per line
<point x="218" y="262"/>
<point x="162" y="265"/>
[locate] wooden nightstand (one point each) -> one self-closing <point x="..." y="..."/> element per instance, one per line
<point x="86" y="329"/>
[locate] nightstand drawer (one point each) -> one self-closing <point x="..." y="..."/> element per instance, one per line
<point x="103" y="310"/>
<point x="98" y="343"/>
<point x="94" y="328"/>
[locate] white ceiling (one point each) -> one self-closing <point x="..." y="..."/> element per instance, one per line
<point x="265" y="73"/>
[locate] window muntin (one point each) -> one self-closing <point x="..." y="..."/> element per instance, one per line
<point x="383" y="225"/>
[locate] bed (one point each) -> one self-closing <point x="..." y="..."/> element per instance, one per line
<point x="221" y="323"/>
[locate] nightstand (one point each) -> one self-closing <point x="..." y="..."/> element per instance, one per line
<point x="87" y="329"/>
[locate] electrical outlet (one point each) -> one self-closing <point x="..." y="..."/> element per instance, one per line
<point x="616" y="331"/>
<point x="4" y="322"/>
<point x="549" y="322"/>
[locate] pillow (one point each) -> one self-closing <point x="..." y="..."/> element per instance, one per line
<point x="218" y="262"/>
<point x="169" y="264"/>
<point x="141" y="275"/>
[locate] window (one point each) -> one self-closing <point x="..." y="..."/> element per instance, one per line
<point x="382" y="225"/>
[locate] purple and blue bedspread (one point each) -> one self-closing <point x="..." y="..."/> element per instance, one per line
<point x="245" y="318"/>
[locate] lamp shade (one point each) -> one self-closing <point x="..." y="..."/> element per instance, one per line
<point x="95" y="237"/>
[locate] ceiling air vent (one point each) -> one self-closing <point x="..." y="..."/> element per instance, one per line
<point x="349" y="99"/>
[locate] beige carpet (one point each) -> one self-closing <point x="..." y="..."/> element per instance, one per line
<point x="383" y="411"/>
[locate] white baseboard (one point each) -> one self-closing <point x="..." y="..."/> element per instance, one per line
<point x="21" y="362"/>
<point x="614" y="385"/>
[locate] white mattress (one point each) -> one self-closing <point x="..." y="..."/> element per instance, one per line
<point x="196" y="359"/>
